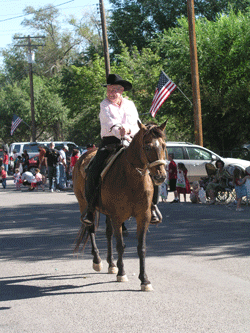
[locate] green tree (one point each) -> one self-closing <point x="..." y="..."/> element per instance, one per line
<point x="15" y="66"/>
<point x="50" y="113"/>
<point x="82" y="93"/>
<point x="58" y="49"/>
<point x="223" y="57"/>
<point x="136" y="22"/>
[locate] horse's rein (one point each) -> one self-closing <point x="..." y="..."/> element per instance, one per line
<point x="142" y="172"/>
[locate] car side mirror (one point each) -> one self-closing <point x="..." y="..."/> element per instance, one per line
<point x="214" y="158"/>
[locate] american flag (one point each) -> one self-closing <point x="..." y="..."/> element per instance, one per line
<point x="15" y="122"/>
<point x="164" y="89"/>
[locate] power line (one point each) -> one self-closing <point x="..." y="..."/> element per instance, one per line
<point x="15" y="17"/>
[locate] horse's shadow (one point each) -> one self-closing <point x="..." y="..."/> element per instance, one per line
<point x="18" y="288"/>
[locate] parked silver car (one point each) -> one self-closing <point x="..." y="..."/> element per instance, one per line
<point x="195" y="158"/>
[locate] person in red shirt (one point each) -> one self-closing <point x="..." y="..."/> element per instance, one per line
<point x="74" y="158"/>
<point x="3" y="176"/>
<point x="6" y="161"/>
<point x="172" y="176"/>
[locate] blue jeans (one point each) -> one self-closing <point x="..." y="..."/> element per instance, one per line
<point x="6" y="168"/>
<point x="53" y="173"/>
<point x="62" y="177"/>
<point x="4" y="182"/>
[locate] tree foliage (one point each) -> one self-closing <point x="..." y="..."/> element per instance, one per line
<point x="223" y="57"/>
<point x="136" y="22"/>
<point x="70" y="70"/>
<point x="50" y="113"/>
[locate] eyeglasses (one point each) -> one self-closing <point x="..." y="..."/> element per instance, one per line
<point x="113" y="89"/>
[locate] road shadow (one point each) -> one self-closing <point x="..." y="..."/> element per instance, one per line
<point x="40" y="285"/>
<point x="48" y="231"/>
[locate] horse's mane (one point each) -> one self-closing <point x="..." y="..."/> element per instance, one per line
<point x="155" y="130"/>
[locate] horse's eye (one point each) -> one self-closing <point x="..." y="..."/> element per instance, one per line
<point x="147" y="147"/>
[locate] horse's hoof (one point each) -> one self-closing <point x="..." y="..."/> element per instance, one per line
<point x="122" y="278"/>
<point x="113" y="270"/>
<point x="147" y="287"/>
<point x="97" y="267"/>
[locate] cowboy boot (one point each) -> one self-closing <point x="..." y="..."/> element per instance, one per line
<point x="156" y="216"/>
<point x="88" y="220"/>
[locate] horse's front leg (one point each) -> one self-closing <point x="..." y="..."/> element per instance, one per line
<point x="120" y="246"/>
<point x="97" y="261"/>
<point x="142" y="227"/>
<point x="110" y="259"/>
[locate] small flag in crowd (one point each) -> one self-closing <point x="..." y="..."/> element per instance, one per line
<point x="15" y="122"/>
<point x="164" y="89"/>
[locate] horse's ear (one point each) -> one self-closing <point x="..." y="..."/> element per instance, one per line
<point x="141" y="126"/>
<point x="163" y="125"/>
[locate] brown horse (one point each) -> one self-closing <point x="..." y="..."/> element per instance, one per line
<point x="126" y="190"/>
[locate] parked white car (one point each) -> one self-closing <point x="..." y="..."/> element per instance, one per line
<point x="195" y="158"/>
<point x="32" y="147"/>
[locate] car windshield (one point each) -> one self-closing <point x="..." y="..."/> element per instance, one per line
<point x="31" y="148"/>
<point x="195" y="153"/>
<point x="17" y="148"/>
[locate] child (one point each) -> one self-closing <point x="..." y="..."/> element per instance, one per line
<point x="164" y="191"/>
<point x="16" y="177"/>
<point x="38" y="180"/>
<point x="3" y="176"/>
<point x="240" y="187"/>
<point x="19" y="164"/>
<point x="182" y="183"/>
<point x="194" y="196"/>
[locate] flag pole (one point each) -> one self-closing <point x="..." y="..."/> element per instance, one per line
<point x="179" y="90"/>
<point x="26" y="123"/>
<point x="184" y="95"/>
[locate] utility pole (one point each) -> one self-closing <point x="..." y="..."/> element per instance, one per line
<point x="105" y="38"/>
<point x="30" y="60"/>
<point x="195" y="74"/>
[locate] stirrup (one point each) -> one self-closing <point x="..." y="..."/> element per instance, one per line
<point x="87" y="219"/>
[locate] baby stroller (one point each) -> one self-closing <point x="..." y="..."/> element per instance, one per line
<point x="226" y="192"/>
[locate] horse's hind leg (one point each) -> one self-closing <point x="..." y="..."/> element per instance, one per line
<point x="141" y="249"/>
<point x="120" y="246"/>
<point x="97" y="262"/>
<point x="110" y="259"/>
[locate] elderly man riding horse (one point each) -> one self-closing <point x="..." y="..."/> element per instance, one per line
<point x="119" y="122"/>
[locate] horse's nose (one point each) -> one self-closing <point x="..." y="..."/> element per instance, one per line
<point x="159" y="178"/>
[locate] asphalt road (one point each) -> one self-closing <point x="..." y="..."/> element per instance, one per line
<point x="198" y="261"/>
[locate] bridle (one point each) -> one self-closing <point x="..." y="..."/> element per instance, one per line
<point x="149" y="165"/>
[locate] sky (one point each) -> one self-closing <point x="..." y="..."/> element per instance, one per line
<point x="11" y="14"/>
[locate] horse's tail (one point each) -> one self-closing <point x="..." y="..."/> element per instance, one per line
<point x="79" y="176"/>
<point x="83" y="234"/>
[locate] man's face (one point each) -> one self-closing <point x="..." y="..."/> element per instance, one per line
<point x="114" y="93"/>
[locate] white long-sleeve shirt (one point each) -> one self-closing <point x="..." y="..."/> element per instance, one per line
<point x="113" y="114"/>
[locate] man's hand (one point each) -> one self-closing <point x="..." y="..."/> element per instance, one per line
<point x="123" y="132"/>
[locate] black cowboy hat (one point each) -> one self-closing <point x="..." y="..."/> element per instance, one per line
<point x="116" y="79"/>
